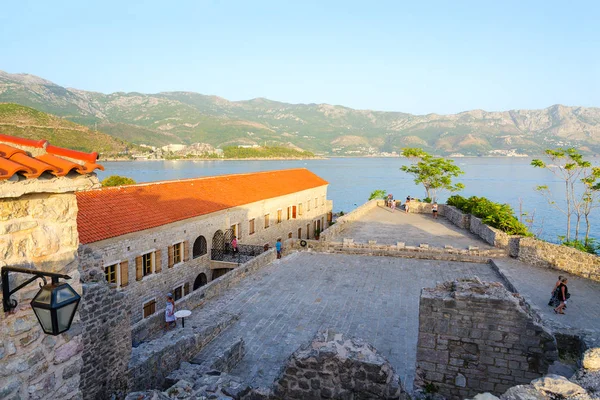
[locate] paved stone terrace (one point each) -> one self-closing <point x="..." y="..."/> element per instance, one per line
<point x="535" y="284"/>
<point x="374" y="298"/>
<point x="389" y="227"/>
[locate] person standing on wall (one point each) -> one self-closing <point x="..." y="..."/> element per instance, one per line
<point x="170" y="319"/>
<point x="278" y="247"/>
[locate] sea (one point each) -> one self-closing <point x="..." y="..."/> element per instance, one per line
<point x="509" y="180"/>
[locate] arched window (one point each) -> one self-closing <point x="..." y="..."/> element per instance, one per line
<point x="199" y="247"/>
<point x="200" y="281"/>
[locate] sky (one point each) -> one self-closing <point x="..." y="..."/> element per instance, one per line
<point x="410" y="56"/>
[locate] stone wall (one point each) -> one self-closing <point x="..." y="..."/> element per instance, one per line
<point x="38" y="231"/>
<point x="148" y="327"/>
<point x="457" y="217"/>
<point x="106" y="339"/>
<point x="478" y="337"/>
<point x="335" y="367"/>
<point x="563" y="258"/>
<point x="348" y="246"/>
<point x="494" y="237"/>
<point x="357" y="213"/>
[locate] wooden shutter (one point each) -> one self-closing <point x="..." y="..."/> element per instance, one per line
<point x="124" y="273"/>
<point x="186" y="288"/>
<point x="170" y="265"/>
<point x="186" y="251"/>
<point x="157" y="261"/>
<point x="139" y="272"/>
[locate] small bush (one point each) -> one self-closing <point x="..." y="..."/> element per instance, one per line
<point x="497" y="215"/>
<point x="378" y="194"/>
<point x="116" y="180"/>
<point x="427" y="200"/>
<point x="591" y="247"/>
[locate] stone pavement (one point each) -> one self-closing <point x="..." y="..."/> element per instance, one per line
<point x="286" y="303"/>
<point x="413" y="229"/>
<point x="535" y="284"/>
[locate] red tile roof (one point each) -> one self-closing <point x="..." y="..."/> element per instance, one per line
<point x="16" y="158"/>
<point x="114" y="211"/>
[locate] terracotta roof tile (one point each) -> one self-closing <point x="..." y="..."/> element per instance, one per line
<point x="16" y="158"/>
<point x="115" y="211"/>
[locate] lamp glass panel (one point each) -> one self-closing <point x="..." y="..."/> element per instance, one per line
<point x="64" y="293"/>
<point x="64" y="315"/>
<point x="44" y="296"/>
<point x="45" y="318"/>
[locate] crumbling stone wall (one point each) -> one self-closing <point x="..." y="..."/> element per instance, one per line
<point x="38" y="231"/>
<point x="478" y="337"/>
<point x="106" y="338"/>
<point x="335" y="367"/>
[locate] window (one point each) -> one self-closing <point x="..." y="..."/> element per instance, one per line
<point x="147" y="263"/>
<point x="289" y="210"/>
<point x="110" y="272"/>
<point x="290" y="235"/>
<point x="279" y="216"/>
<point x="299" y="233"/>
<point x="234" y="230"/>
<point x="322" y="200"/>
<point x="300" y="209"/>
<point x="294" y="212"/>
<point x="308" y="205"/>
<point x="251" y="227"/>
<point x="177" y="253"/>
<point x="308" y="231"/>
<point x="199" y="247"/>
<point x="267" y="220"/>
<point x="238" y="231"/>
<point x="149" y="308"/>
<point x="316" y="202"/>
<point x="178" y="292"/>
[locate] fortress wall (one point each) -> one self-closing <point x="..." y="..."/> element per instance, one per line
<point x="352" y="216"/>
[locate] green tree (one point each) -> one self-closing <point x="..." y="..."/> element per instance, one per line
<point x="378" y="194"/>
<point x="116" y="180"/>
<point x="581" y="186"/>
<point x="434" y="173"/>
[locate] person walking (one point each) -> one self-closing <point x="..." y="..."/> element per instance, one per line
<point x="407" y="205"/>
<point x="278" y="247"/>
<point x="563" y="296"/>
<point x="554" y="294"/>
<point x="434" y="210"/>
<point x="170" y="319"/>
<point x="393" y="204"/>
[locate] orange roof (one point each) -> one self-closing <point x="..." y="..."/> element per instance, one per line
<point x="16" y="158"/>
<point x="114" y="211"/>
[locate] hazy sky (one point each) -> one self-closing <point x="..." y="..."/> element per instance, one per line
<point x="412" y="56"/>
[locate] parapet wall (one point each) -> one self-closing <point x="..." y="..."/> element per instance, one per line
<point x="478" y="337"/>
<point x="340" y="223"/>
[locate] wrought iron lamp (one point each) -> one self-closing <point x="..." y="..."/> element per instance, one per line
<point x="54" y="305"/>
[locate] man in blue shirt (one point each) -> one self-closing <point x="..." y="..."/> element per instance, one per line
<point x="278" y="247"/>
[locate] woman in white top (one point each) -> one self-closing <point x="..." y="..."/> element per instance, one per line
<point x="170" y="319"/>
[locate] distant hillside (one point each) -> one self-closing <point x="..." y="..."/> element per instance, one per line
<point x="184" y="117"/>
<point x="18" y="120"/>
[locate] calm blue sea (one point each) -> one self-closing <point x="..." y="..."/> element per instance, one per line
<point x="353" y="179"/>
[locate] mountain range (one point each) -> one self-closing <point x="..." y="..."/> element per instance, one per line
<point x="187" y="117"/>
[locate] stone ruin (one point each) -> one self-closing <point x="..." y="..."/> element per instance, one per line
<point x="330" y="367"/>
<point x="478" y="337"/>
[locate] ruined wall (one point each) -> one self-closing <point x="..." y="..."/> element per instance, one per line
<point x="478" y="337"/>
<point x="335" y="367"/>
<point x="549" y="255"/>
<point x="38" y="231"/>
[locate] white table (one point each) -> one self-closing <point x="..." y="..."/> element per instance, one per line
<point x="183" y="314"/>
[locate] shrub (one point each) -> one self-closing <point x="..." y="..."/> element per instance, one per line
<point x="378" y="194"/>
<point x="591" y="247"/>
<point x="116" y="180"/>
<point x="497" y="215"/>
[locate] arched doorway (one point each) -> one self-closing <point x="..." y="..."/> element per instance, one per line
<point x="200" y="281"/>
<point x="221" y="244"/>
<point x="199" y="247"/>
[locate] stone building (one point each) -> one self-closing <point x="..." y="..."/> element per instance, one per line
<point x="38" y="230"/>
<point x="175" y="236"/>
